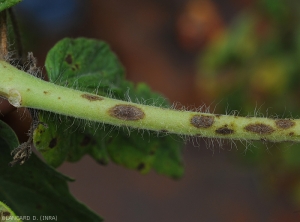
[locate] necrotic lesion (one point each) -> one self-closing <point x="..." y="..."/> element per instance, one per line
<point x="201" y="121"/>
<point x="127" y="112"/>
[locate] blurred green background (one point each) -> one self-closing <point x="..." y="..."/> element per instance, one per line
<point x="253" y="67"/>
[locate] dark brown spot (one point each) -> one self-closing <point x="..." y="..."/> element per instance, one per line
<point x="259" y="128"/>
<point x="75" y="67"/>
<point x="53" y="143"/>
<point x="5" y="214"/>
<point x="69" y="59"/>
<point x="127" y="112"/>
<point x="291" y="134"/>
<point x="224" y="130"/>
<point x="58" y="97"/>
<point x="41" y="131"/>
<point x="91" y="97"/>
<point x="201" y="121"/>
<point x="28" y="90"/>
<point x="141" y="166"/>
<point x="37" y="142"/>
<point x="46" y="92"/>
<point x="284" y="123"/>
<point x="218" y="115"/>
<point x="86" y="140"/>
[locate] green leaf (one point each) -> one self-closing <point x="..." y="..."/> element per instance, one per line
<point x="90" y="65"/>
<point x="35" y="189"/>
<point x="7" y="137"/>
<point x="5" y="4"/>
<point x="146" y="152"/>
<point x="86" y="64"/>
<point x="69" y="140"/>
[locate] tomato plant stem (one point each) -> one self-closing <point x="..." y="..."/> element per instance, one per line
<point x="24" y="90"/>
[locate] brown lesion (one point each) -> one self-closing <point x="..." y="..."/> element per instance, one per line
<point x="141" y="166"/>
<point x="46" y="92"/>
<point x="53" y="143"/>
<point x="259" y="128"/>
<point x="202" y="121"/>
<point x="284" y="123"/>
<point x="75" y="67"/>
<point x="87" y="140"/>
<point x="5" y="214"/>
<point x="91" y="97"/>
<point x="69" y="59"/>
<point x="126" y="112"/>
<point x="224" y="130"/>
